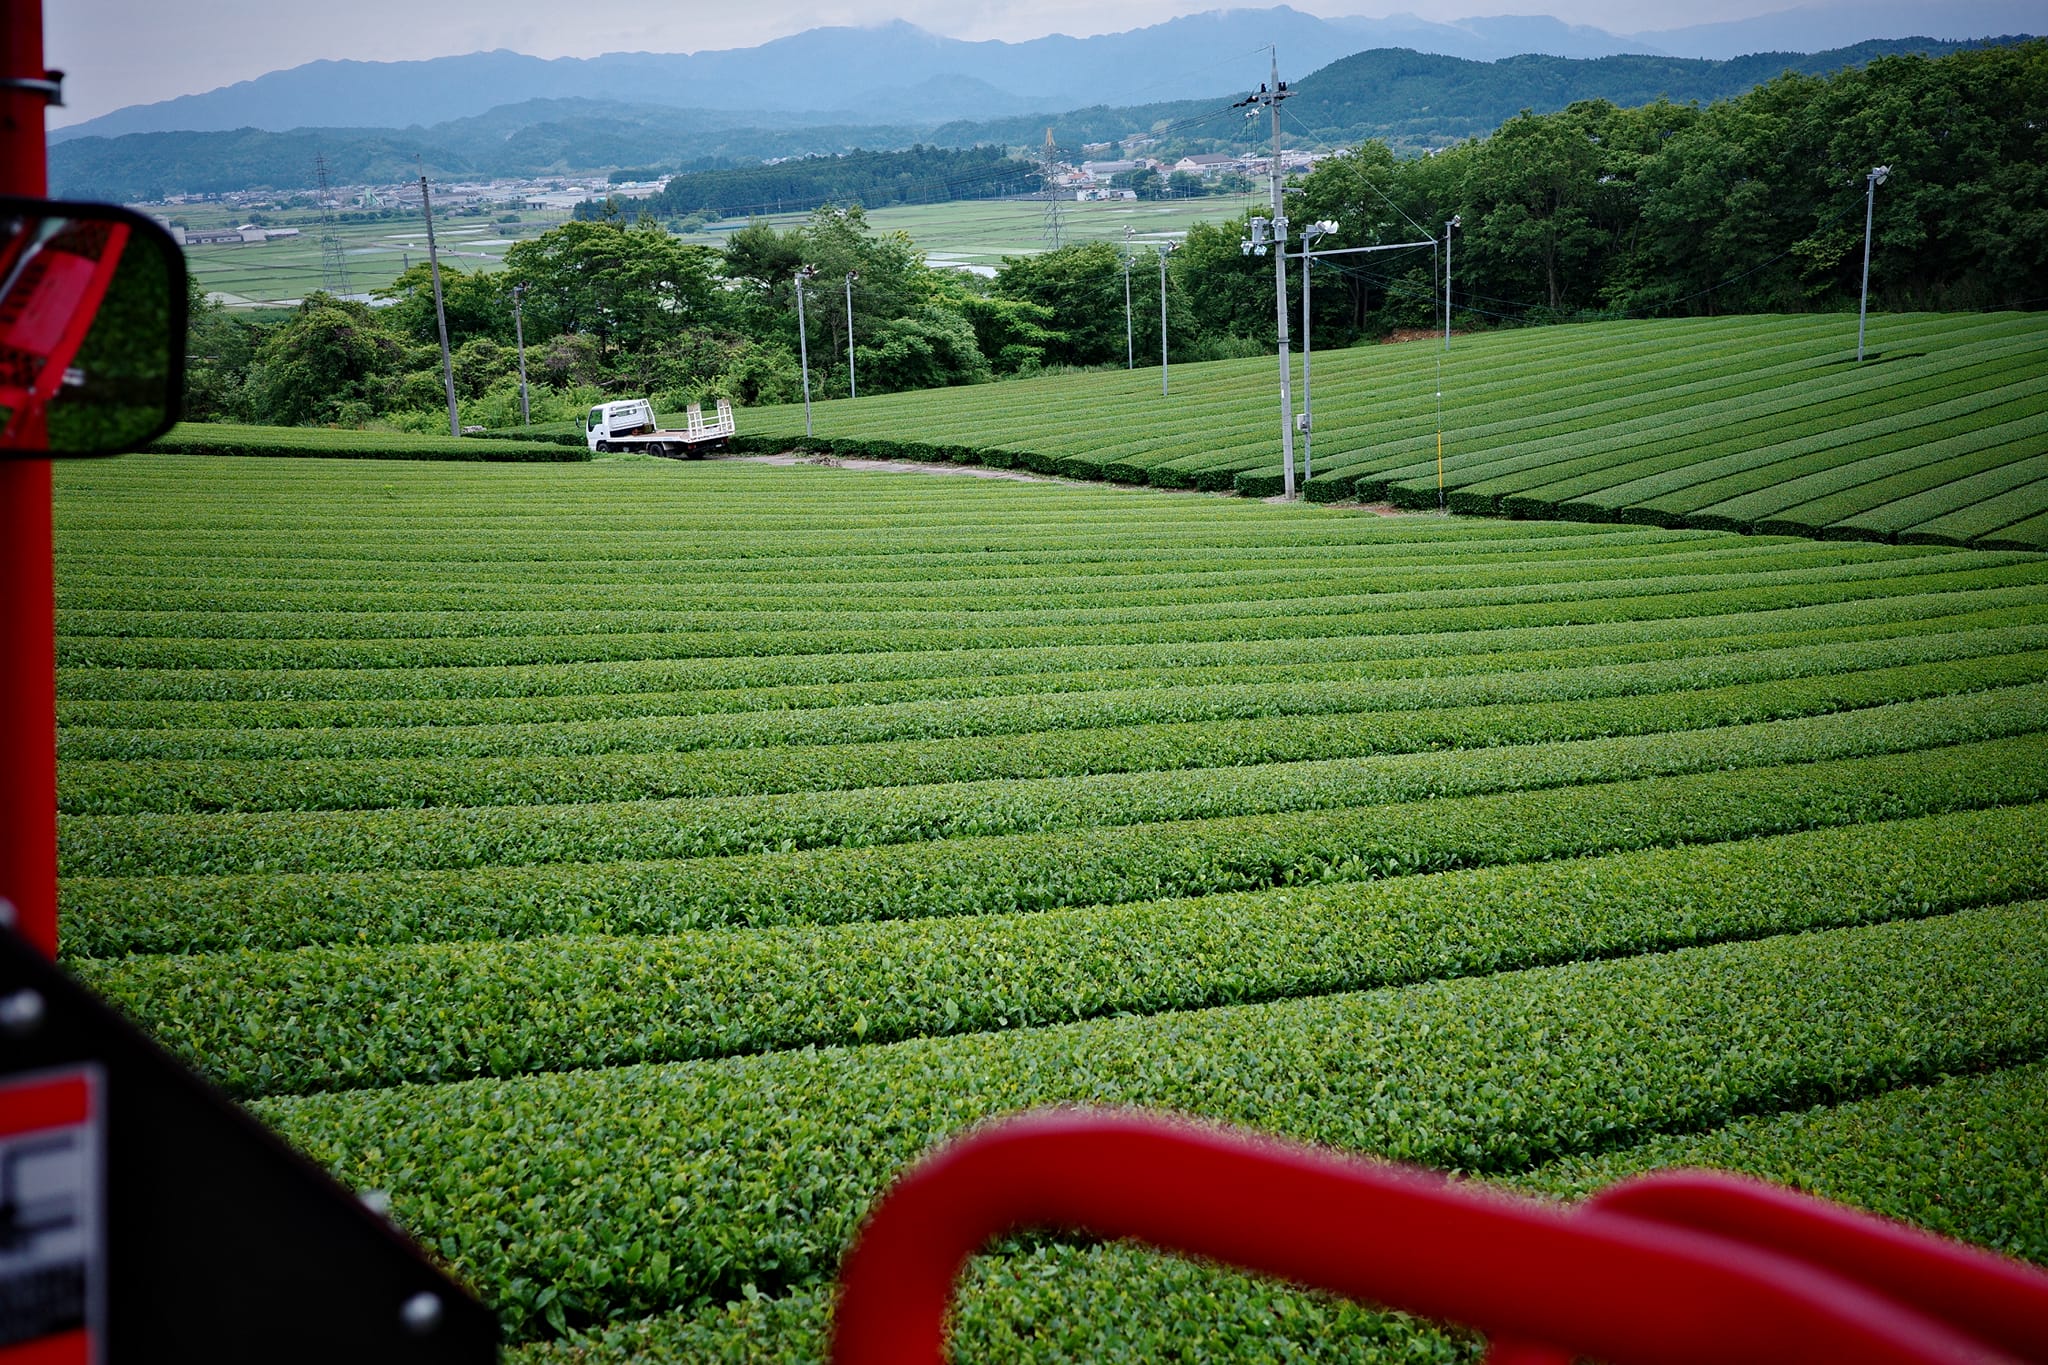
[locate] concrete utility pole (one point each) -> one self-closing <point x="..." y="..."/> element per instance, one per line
<point x="1308" y="417"/>
<point x="803" y="342"/>
<point x="1167" y="250"/>
<point x="1130" y="352"/>
<point x="852" y="390"/>
<point x="440" y="311"/>
<point x="519" y="335"/>
<point x="1877" y="176"/>
<point x="1269" y="96"/>
<point x="1456" y="220"/>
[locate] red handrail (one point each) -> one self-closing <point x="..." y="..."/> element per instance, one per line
<point x="1621" y="1282"/>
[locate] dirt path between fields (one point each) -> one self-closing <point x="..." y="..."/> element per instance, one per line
<point x="1377" y="509"/>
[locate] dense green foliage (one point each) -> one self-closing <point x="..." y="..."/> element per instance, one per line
<point x="921" y="175"/>
<point x="629" y="865"/>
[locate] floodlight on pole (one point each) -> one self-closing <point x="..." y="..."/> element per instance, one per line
<point x="1878" y="175"/>
<point x="803" y="342"/>
<point x="519" y="336"/>
<point x="852" y="390"/>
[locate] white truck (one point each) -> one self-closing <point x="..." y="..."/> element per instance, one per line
<point x="628" y="424"/>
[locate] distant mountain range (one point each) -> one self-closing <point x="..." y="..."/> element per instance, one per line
<point x="898" y="74"/>
<point x="1410" y="100"/>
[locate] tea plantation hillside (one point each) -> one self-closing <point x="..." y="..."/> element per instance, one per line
<point x="630" y="865"/>
<point x="1745" y="423"/>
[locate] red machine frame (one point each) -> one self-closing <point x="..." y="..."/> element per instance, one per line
<point x="1682" y="1268"/>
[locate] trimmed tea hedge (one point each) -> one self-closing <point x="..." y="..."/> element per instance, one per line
<point x="629" y="864"/>
<point x="225" y="438"/>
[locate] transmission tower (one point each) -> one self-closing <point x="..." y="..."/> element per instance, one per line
<point x="333" y="264"/>
<point x="1049" y="174"/>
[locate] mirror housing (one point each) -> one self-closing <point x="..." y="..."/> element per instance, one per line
<point x="92" y="329"/>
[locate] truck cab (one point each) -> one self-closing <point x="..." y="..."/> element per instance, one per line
<point x="624" y="417"/>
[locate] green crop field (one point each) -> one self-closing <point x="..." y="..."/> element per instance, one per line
<point x="981" y="232"/>
<point x="286" y="269"/>
<point x="1748" y="423"/>
<point x="968" y="232"/>
<point x="628" y="866"/>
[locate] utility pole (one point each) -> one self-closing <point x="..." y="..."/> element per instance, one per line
<point x="1309" y="235"/>
<point x="1130" y="353"/>
<point x="852" y="390"/>
<point x="519" y="335"/>
<point x="1164" y="251"/>
<point x="1877" y="176"/>
<point x="440" y="311"/>
<point x="1269" y="96"/>
<point x="1456" y="220"/>
<point x="803" y="342"/>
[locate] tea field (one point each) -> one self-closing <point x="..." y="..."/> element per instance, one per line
<point x="629" y="865"/>
<point x="1742" y="423"/>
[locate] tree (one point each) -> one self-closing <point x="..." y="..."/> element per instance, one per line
<point x="633" y="290"/>
<point x="1081" y="290"/>
<point x="219" y="350"/>
<point x="477" y="304"/>
<point x="1536" y="231"/>
<point x="330" y="362"/>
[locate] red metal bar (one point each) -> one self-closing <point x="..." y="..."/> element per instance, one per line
<point x="1597" y="1283"/>
<point x="28" y="625"/>
<point x="1999" y="1300"/>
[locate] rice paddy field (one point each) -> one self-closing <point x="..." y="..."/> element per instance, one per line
<point x="1748" y="423"/>
<point x="628" y="866"/>
<point x="280" y="272"/>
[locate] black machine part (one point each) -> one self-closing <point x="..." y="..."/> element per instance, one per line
<point x="223" y="1244"/>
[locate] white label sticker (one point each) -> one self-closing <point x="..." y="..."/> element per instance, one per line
<point x="52" y="1218"/>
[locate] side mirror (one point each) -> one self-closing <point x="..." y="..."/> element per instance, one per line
<point x="92" y="329"/>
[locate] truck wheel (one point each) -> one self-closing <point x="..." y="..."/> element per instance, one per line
<point x="604" y="447"/>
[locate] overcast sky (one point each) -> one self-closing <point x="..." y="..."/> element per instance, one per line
<point x="122" y="52"/>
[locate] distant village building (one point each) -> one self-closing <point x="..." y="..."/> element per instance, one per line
<point x="1108" y="170"/>
<point x="1207" y="163"/>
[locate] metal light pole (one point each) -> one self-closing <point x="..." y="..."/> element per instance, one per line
<point x="440" y="312"/>
<point x="852" y="391"/>
<point x="1164" y="251"/>
<point x="1877" y="176"/>
<point x="519" y="335"/>
<point x="803" y="342"/>
<point x="1130" y="351"/>
<point x="1308" y="239"/>
<point x="1456" y="220"/>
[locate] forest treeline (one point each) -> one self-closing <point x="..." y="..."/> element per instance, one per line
<point x="1754" y="204"/>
